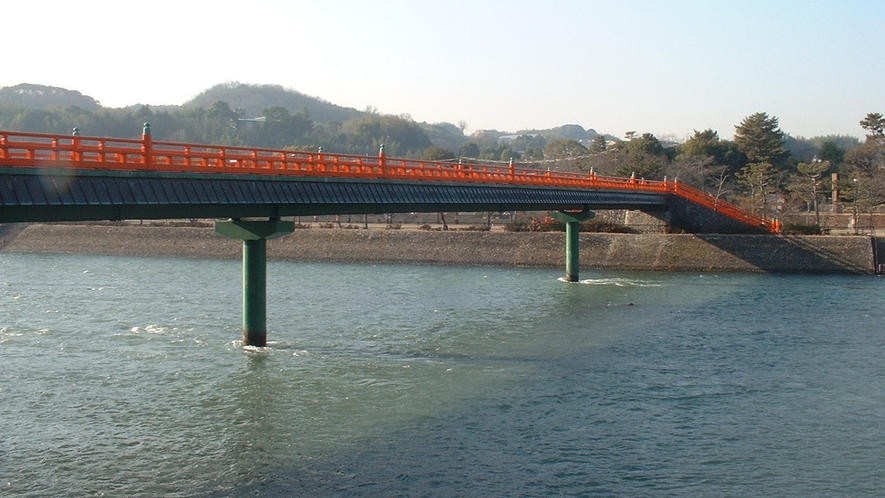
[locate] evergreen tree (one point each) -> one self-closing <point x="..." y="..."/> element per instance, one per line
<point x="598" y="144"/>
<point x="874" y="123"/>
<point x="760" y="139"/>
<point x="831" y="152"/>
<point x="470" y="149"/>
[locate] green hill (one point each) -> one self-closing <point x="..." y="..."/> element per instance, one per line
<point x="29" y="96"/>
<point x="250" y="100"/>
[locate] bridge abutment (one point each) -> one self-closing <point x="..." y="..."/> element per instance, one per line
<point x="572" y="222"/>
<point x="254" y="235"/>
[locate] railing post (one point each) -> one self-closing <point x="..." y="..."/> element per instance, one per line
<point x="147" y="145"/>
<point x="320" y="166"/>
<point x="382" y="160"/>
<point x="75" y="145"/>
<point x="512" y="171"/>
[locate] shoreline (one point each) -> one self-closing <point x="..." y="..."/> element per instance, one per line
<point x="655" y="252"/>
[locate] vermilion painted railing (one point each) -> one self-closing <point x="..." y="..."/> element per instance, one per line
<point x="94" y="153"/>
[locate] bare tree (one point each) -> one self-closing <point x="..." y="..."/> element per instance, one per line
<point x="812" y="174"/>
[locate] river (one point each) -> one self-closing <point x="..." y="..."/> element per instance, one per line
<point x="126" y="377"/>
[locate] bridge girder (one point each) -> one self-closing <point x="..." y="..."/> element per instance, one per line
<point x="51" y="195"/>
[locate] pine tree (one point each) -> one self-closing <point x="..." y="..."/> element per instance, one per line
<point x="760" y="139"/>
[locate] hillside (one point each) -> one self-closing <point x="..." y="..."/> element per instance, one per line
<point x="253" y="99"/>
<point x="31" y="96"/>
<point x="250" y="99"/>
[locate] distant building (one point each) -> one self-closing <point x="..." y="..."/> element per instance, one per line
<point x="251" y="121"/>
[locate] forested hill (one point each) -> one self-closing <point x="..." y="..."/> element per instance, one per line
<point x="42" y="97"/>
<point x="247" y="100"/>
<point x="251" y="100"/>
<point x="232" y="114"/>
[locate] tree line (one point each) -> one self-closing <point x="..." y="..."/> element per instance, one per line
<point x="763" y="168"/>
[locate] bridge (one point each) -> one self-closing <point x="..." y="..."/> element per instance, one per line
<point x="51" y="178"/>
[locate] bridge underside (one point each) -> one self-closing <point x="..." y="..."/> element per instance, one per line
<point x="43" y="195"/>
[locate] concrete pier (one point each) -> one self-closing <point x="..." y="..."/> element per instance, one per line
<point x="572" y="222"/>
<point x="254" y="235"/>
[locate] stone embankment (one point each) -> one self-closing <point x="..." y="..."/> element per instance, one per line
<point x="662" y="252"/>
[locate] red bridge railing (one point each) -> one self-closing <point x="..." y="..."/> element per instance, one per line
<point x="30" y="150"/>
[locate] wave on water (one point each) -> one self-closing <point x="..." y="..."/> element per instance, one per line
<point x="617" y="282"/>
<point x="271" y="347"/>
<point x="150" y="329"/>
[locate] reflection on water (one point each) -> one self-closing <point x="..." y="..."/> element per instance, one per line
<point x="125" y="376"/>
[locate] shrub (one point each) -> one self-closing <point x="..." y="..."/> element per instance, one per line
<point x="602" y="226"/>
<point x="516" y="226"/>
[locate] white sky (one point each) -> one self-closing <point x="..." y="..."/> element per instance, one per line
<point x="664" y="67"/>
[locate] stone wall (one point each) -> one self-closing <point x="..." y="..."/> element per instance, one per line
<point x="664" y="252"/>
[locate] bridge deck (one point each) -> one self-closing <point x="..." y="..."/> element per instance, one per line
<point x="72" y="178"/>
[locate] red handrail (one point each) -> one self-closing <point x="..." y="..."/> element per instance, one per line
<point x="19" y="149"/>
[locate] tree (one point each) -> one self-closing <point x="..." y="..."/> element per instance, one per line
<point x="434" y="153"/>
<point x="400" y="136"/>
<point x="567" y="155"/>
<point x="864" y="174"/>
<point x="281" y="129"/>
<point x="760" y="178"/>
<point x="221" y="110"/>
<point x="642" y="157"/>
<point x="874" y="123"/>
<point x="723" y="152"/>
<point x="702" y="143"/>
<point x="801" y="149"/>
<point x="708" y="162"/>
<point x="868" y="158"/>
<point x="470" y="149"/>
<point x="812" y="173"/>
<point x="531" y="146"/>
<point x="760" y="139"/>
<point x="831" y="152"/>
<point x="598" y="144"/>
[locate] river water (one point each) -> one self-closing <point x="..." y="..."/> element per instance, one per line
<point x="126" y="377"/>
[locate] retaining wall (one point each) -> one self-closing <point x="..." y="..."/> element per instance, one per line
<point x="663" y="252"/>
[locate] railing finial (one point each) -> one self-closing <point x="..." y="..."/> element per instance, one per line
<point x="76" y="131"/>
<point x="147" y="129"/>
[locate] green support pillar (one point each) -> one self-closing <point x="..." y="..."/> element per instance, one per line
<point x="255" y="292"/>
<point x="572" y="222"/>
<point x="254" y="235"/>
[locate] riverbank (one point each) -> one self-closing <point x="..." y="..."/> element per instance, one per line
<point x="661" y="252"/>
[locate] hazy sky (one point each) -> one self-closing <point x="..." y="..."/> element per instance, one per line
<point x="665" y="67"/>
